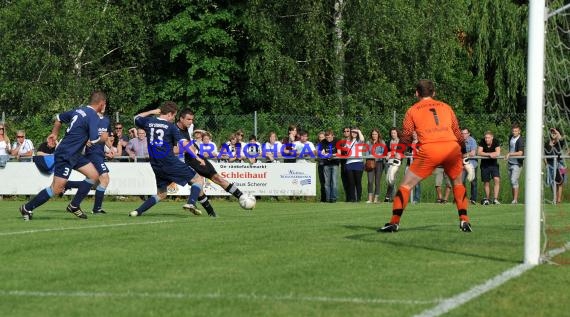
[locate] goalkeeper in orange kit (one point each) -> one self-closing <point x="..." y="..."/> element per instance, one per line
<point x="439" y="134"/>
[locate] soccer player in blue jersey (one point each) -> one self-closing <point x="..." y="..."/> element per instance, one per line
<point x="162" y="135"/>
<point x="96" y="155"/>
<point x="185" y="125"/>
<point x="82" y="130"/>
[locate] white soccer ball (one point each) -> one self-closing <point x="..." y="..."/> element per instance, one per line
<point x="247" y="202"/>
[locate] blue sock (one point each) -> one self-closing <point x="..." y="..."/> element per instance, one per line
<point x="73" y="184"/>
<point x="99" y="193"/>
<point x="194" y="192"/>
<point x="40" y="199"/>
<point x="82" y="192"/>
<point x="151" y="201"/>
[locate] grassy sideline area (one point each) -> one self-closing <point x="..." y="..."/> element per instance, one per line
<point x="286" y="258"/>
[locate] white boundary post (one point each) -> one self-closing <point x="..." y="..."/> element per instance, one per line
<point x="534" y="146"/>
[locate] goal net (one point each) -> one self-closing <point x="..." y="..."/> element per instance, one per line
<point x="555" y="229"/>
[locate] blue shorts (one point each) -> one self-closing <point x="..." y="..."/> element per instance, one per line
<point x="176" y="171"/>
<point x="99" y="163"/>
<point x="65" y="164"/>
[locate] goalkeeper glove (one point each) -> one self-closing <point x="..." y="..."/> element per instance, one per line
<point x="469" y="169"/>
<point x="392" y="170"/>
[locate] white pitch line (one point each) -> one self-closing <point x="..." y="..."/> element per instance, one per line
<point x="453" y="302"/>
<point x="247" y="297"/>
<point x="84" y="227"/>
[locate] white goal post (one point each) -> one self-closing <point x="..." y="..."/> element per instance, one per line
<point x="534" y="113"/>
<point x="538" y="17"/>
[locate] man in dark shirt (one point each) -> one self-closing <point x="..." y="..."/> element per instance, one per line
<point x="489" y="148"/>
<point x="48" y="147"/>
<point x="326" y="152"/>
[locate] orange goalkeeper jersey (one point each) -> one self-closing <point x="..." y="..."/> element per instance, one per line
<point x="433" y="121"/>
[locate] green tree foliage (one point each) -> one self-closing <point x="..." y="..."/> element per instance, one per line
<point x="55" y="53"/>
<point x="317" y="58"/>
<point x="202" y="46"/>
<point x="498" y="38"/>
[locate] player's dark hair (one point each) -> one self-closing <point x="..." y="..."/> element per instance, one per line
<point x="96" y="97"/>
<point x="185" y="112"/>
<point x="516" y="125"/>
<point x="425" y="88"/>
<point x="302" y="133"/>
<point x="168" y="107"/>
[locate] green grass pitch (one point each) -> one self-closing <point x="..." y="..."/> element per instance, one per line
<point x="281" y="259"/>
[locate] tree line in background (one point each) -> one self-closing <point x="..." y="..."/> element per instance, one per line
<point x="312" y="57"/>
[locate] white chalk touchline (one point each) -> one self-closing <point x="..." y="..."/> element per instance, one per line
<point x="453" y="302"/>
<point x="247" y="297"/>
<point x="85" y="227"/>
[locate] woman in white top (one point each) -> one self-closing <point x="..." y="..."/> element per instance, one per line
<point x="272" y="148"/>
<point x="4" y="141"/>
<point x="208" y="148"/>
<point x="354" y="165"/>
<point x="228" y="150"/>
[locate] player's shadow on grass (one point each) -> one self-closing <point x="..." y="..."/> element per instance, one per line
<point x="374" y="238"/>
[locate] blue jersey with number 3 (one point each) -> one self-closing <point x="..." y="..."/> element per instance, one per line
<point x="83" y="125"/>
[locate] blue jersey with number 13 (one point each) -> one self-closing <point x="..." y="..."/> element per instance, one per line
<point x="161" y="137"/>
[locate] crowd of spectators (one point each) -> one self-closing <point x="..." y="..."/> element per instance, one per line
<point x="296" y="146"/>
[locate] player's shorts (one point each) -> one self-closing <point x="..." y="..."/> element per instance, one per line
<point x="489" y="172"/>
<point x="64" y="164"/>
<point x="207" y="171"/>
<point x="172" y="171"/>
<point x="99" y="163"/>
<point x="432" y="155"/>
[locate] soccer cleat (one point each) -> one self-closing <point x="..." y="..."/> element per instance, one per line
<point x="514" y="202"/>
<point x="191" y="208"/>
<point x="485" y="202"/>
<point x="473" y="202"/>
<point x="27" y="215"/>
<point x="212" y="214"/>
<point x="134" y="213"/>
<point x="100" y="211"/>
<point x="465" y="226"/>
<point x="496" y="202"/>
<point x="389" y="227"/>
<point x="76" y="211"/>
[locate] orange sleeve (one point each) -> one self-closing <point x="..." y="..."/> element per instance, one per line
<point x="455" y="128"/>
<point x="408" y="127"/>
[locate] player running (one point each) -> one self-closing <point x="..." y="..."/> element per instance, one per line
<point x="96" y="155"/>
<point x="438" y="132"/>
<point x="82" y="130"/>
<point x="162" y="135"/>
<point x="185" y="124"/>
